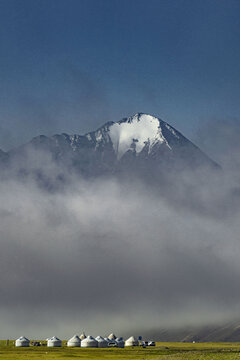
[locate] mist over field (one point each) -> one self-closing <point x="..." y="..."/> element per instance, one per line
<point x="115" y="255"/>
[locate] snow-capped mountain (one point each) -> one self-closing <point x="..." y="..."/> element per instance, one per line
<point x="141" y="144"/>
<point x="141" y="135"/>
<point x="138" y="133"/>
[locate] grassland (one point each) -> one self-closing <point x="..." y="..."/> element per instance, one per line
<point x="162" y="351"/>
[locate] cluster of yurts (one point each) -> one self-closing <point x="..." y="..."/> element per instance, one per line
<point x="84" y="341"/>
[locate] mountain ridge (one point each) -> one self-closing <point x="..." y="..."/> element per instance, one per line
<point x="141" y="144"/>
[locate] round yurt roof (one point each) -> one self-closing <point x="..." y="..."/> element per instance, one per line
<point x="112" y="337"/>
<point x="132" y="341"/>
<point x="22" y="341"/>
<point x="98" y="338"/>
<point x="54" y="338"/>
<point x="75" y="339"/>
<point x="22" y="338"/>
<point x="101" y="341"/>
<point x="54" y="342"/>
<point x="89" y="340"/>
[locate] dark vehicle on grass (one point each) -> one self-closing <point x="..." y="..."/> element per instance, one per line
<point x="112" y="344"/>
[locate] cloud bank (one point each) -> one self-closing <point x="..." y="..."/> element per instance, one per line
<point x="109" y="255"/>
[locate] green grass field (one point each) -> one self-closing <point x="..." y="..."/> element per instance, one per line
<point x="174" y="351"/>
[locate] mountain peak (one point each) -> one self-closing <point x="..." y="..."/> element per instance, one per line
<point x="141" y="144"/>
<point x="138" y="116"/>
<point x="136" y="132"/>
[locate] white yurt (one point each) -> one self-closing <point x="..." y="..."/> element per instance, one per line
<point x="132" y="341"/>
<point x="82" y="336"/>
<point x="102" y="343"/>
<point x="22" y="342"/>
<point x="112" y="337"/>
<point x="89" y="342"/>
<point x="75" y="341"/>
<point x="54" y="342"/>
<point x="120" y="342"/>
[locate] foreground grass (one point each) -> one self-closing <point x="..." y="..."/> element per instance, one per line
<point x="163" y="351"/>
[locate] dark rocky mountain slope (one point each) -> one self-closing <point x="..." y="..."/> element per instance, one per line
<point x="141" y="145"/>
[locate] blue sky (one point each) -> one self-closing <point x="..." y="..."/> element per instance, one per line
<point x="71" y="65"/>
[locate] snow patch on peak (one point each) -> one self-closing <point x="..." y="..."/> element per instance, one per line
<point x="74" y="139"/>
<point x="99" y="136"/>
<point x="172" y="131"/>
<point x="135" y="133"/>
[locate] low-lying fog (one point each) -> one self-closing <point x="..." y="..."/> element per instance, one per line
<point x="106" y="255"/>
